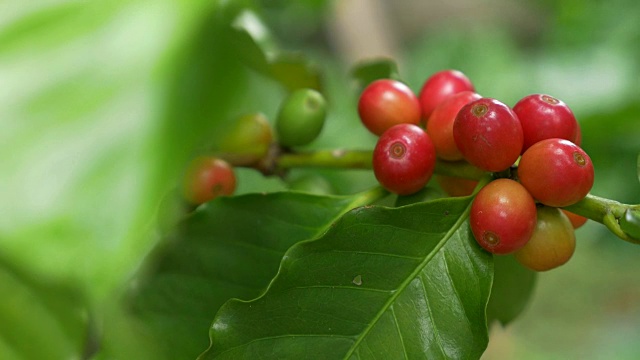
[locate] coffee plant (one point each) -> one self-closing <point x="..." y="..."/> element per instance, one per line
<point x="244" y="237"/>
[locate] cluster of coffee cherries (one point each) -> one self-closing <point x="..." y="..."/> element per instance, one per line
<point x="536" y="143"/>
<point x="249" y="141"/>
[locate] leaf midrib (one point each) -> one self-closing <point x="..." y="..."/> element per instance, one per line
<point x="408" y="280"/>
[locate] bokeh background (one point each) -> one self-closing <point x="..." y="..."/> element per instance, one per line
<point x="101" y="103"/>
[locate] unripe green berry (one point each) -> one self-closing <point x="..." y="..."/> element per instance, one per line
<point x="552" y="244"/>
<point x="301" y="118"/>
<point x="248" y="141"/>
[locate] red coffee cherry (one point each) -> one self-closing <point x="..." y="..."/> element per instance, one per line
<point x="440" y="124"/>
<point x="556" y="172"/>
<point x="440" y="86"/>
<point x="404" y="159"/>
<point x="503" y="216"/>
<point x="545" y="117"/>
<point x="576" y="220"/>
<point x="488" y="134"/>
<point x="385" y="103"/>
<point x="552" y="244"/>
<point x="454" y="186"/>
<point x="207" y="178"/>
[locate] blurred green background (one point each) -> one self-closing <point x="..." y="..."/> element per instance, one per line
<point x="102" y="103"/>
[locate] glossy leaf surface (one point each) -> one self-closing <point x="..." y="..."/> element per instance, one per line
<point x="256" y="48"/>
<point x="229" y="248"/>
<point x="382" y="283"/>
<point x="512" y="289"/>
<point x="638" y="167"/>
<point x="630" y="223"/>
<point x="367" y="72"/>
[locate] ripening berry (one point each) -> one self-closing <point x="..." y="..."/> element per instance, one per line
<point x="556" y="172"/>
<point x="488" y="134"/>
<point x="503" y="216"/>
<point x="454" y="186"/>
<point x="440" y="124"/>
<point x="248" y="140"/>
<point x="439" y="87"/>
<point x="404" y="159"/>
<point x="207" y="178"/>
<point x="385" y="103"/>
<point x="545" y="117"/>
<point x="576" y="220"/>
<point x="552" y="244"/>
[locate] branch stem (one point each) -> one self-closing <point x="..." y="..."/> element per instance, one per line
<point x="605" y="211"/>
<point x="337" y="159"/>
<point x="602" y="210"/>
<point x="362" y="159"/>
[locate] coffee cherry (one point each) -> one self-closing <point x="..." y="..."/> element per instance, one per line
<point x="404" y="159"/>
<point x="488" y="134"/>
<point x="556" y="172"/>
<point x="440" y="86"/>
<point x="552" y="243"/>
<point x="207" y="178"/>
<point x="545" y="117"/>
<point x="440" y="124"/>
<point x="576" y="220"/>
<point x="454" y="186"/>
<point x="248" y="141"/>
<point x="385" y="103"/>
<point x="503" y="216"/>
<point x="301" y="117"/>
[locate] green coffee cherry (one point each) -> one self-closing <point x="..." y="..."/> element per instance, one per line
<point x="301" y="118"/>
<point x="248" y="140"/>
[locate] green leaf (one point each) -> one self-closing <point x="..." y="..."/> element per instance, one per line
<point x="230" y="248"/>
<point x="382" y="283"/>
<point x="630" y="223"/>
<point x="107" y="100"/>
<point x="98" y="127"/>
<point x="257" y="48"/>
<point x="425" y="194"/>
<point x="368" y="71"/>
<point x="40" y="320"/>
<point x="512" y="288"/>
<point x="638" y="167"/>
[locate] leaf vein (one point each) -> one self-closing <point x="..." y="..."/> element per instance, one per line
<point x="397" y="323"/>
<point x="342" y="287"/>
<point x="436" y="333"/>
<point x="412" y="276"/>
<point x="455" y="289"/>
<point x="283" y="336"/>
<point x="378" y="253"/>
